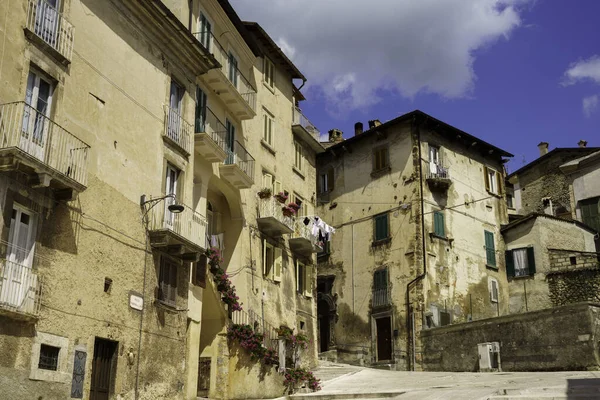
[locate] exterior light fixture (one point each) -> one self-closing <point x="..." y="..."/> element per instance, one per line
<point x="175" y="207"/>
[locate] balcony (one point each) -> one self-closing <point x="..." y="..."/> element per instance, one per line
<point x="271" y="219"/>
<point x="20" y="291"/>
<point x="303" y="241"/>
<point x="238" y="167"/>
<point x="47" y="153"/>
<point x="438" y="177"/>
<point x="182" y="234"/>
<point x="304" y="129"/>
<point x="209" y="140"/>
<point x="381" y="298"/>
<point x="178" y="131"/>
<point x="50" y="29"/>
<point x="229" y="82"/>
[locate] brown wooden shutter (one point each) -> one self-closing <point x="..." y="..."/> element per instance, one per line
<point x="330" y="179"/>
<point x="486" y="177"/>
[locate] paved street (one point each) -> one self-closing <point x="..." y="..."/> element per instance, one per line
<point x="347" y="382"/>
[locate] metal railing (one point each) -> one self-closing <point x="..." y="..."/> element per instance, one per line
<point x="437" y="171"/>
<point x="51" y="26"/>
<point x="300" y="119"/>
<point x="381" y="297"/>
<point x="188" y="224"/>
<point x="178" y="129"/>
<point x="271" y="336"/>
<point x="20" y="288"/>
<point x="212" y="126"/>
<point x="305" y="231"/>
<point x="28" y="129"/>
<point x="232" y="72"/>
<point x="240" y="157"/>
<point x="271" y="207"/>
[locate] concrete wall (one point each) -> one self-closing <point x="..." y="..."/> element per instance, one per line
<point x="530" y="293"/>
<point x="562" y="339"/>
<point x="457" y="277"/>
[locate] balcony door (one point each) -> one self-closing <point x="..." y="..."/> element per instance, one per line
<point x="175" y="105"/>
<point x="36" y="123"/>
<point x="205" y="31"/>
<point x="170" y="189"/>
<point x="230" y="142"/>
<point x="434" y="159"/>
<point x="47" y="21"/>
<point x="233" y="70"/>
<point x="17" y="277"/>
<point x="200" y="117"/>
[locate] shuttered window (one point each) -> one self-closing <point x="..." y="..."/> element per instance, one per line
<point x="590" y="213"/>
<point x="520" y="262"/>
<point x="380" y="279"/>
<point x="269" y="72"/>
<point x="167" y="285"/>
<point x="380" y="227"/>
<point x="490" y="249"/>
<point x="199" y="272"/>
<point x="439" y="227"/>
<point x="493" y="290"/>
<point x="380" y="159"/>
<point x="493" y="181"/>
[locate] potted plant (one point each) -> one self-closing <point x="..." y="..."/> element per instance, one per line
<point x="264" y="193"/>
<point x="214" y="258"/>
<point x="288" y="211"/>
<point x="281" y="197"/>
<point x="294" y="206"/>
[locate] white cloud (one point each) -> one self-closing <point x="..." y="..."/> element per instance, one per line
<point x="352" y="48"/>
<point x="590" y="104"/>
<point x="583" y="70"/>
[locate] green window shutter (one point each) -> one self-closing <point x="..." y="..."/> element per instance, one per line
<point x="381" y="227"/>
<point x="490" y="249"/>
<point x="380" y="279"/>
<point x="438" y="224"/>
<point x="530" y="260"/>
<point x="510" y="263"/>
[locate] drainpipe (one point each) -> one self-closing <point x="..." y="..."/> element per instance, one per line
<point x="409" y="317"/>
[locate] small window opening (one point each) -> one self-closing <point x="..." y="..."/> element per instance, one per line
<point x="573" y="260"/>
<point x="48" y="357"/>
<point x="301" y="325"/>
<point x="107" y="285"/>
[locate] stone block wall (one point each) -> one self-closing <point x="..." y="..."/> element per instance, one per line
<point x="568" y="260"/>
<point x="563" y="338"/>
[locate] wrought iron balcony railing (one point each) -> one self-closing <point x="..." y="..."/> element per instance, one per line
<point x="239" y="156"/>
<point x="20" y="288"/>
<point x="229" y="68"/>
<point x="437" y="171"/>
<point x="300" y="119"/>
<point x="381" y="297"/>
<point x="51" y="26"/>
<point x="31" y="131"/>
<point x="178" y="129"/>
<point x="272" y="209"/>
<point x="212" y="126"/>
<point x="188" y="224"/>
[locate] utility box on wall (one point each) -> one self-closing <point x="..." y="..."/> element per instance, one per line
<point x="489" y="356"/>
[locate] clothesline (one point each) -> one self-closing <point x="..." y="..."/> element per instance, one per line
<point x="319" y="227"/>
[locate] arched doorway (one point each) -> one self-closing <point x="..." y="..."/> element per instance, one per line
<point x="324" y="325"/>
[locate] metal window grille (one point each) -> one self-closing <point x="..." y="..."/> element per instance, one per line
<point x="48" y="357"/>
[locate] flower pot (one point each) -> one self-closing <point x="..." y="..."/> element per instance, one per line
<point x="214" y="268"/>
<point x="264" y="195"/>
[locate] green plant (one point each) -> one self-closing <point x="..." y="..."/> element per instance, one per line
<point x="227" y="290"/>
<point x="252" y="341"/>
<point x="264" y="193"/>
<point x="296" y="376"/>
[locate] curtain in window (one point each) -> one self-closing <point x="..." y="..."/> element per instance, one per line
<point x="520" y="260"/>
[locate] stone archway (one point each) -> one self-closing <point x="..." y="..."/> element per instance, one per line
<point x="327" y="317"/>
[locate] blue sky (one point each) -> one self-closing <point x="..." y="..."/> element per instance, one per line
<point x="513" y="72"/>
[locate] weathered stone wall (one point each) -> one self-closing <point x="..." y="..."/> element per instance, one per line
<point x="562" y="338"/>
<point x="569" y="260"/>
<point x="574" y="286"/>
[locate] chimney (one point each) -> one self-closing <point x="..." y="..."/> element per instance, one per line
<point x="582" y="143"/>
<point x="335" y="136"/>
<point x="543" y="146"/>
<point x="358" y="128"/>
<point x="374" y="123"/>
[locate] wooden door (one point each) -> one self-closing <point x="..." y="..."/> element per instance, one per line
<point x="384" y="338"/>
<point x="103" y="369"/>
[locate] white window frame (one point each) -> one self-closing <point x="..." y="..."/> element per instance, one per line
<point x="268" y="127"/>
<point x="269" y="72"/>
<point x="303" y="211"/>
<point x="493" y="180"/>
<point x="520" y="271"/>
<point x="494" y="296"/>
<point x="307" y="273"/>
<point x="273" y="268"/>
<point x="209" y="44"/>
<point x="323" y="182"/>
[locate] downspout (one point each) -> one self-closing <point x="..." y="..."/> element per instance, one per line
<point x="409" y="320"/>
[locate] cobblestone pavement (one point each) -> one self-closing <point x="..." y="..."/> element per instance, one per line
<point x="341" y="381"/>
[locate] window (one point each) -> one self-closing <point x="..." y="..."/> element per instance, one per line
<point x="380" y="159"/>
<point x="439" y="227"/>
<point x="199" y="272"/>
<point x="520" y="262"/>
<point x="205" y="31"/>
<point x="590" y="213"/>
<point x="175" y="112"/>
<point x="434" y="154"/>
<point x="21" y="239"/>
<point x="299" y="156"/>
<point x="326" y="181"/>
<point x="493" y="181"/>
<point x="380" y="279"/>
<point x="270" y="182"/>
<point x="326" y="249"/>
<point x="490" y="249"/>
<point x="233" y="69"/>
<point x="200" y="112"/>
<point x="493" y="287"/>
<point x="304" y="279"/>
<point x="269" y="72"/>
<point x="167" y="282"/>
<point x="268" y="127"/>
<point x="303" y="210"/>
<point x="380" y="227"/>
<point x="510" y="201"/>
<point x="229" y="142"/>
<point x="272" y="261"/>
<point x="48" y="357"/>
<point x="38" y="98"/>
<point x="170" y="189"/>
<point x="47" y="21"/>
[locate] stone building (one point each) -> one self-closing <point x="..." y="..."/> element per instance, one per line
<point x="132" y="140"/>
<point x="418" y="206"/>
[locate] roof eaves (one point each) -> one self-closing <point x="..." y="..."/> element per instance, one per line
<point x="239" y="25"/>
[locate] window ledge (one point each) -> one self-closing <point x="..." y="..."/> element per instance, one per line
<point x="268" y="146"/>
<point x="271" y="88"/>
<point x="381" y="172"/>
<point x="521" y="277"/>
<point x="432" y="235"/>
<point x="298" y="172"/>
<point x="496" y="195"/>
<point x="381" y="242"/>
<point x="164" y="305"/>
<point x="488" y="266"/>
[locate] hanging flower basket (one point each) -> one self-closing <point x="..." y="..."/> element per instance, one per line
<point x="288" y="211"/>
<point x="294" y="206"/>
<point x="264" y="193"/>
<point x="281" y="197"/>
